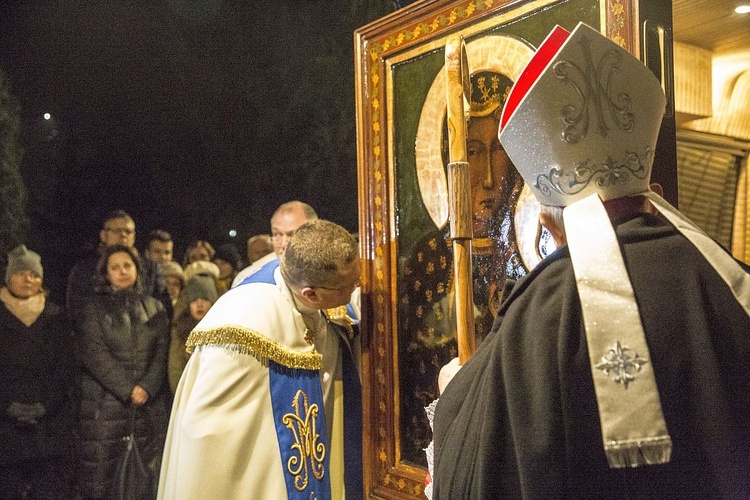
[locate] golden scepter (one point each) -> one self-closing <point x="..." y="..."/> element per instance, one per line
<point x="458" y="95"/>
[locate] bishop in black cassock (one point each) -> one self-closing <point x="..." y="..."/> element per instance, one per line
<point x="541" y="411"/>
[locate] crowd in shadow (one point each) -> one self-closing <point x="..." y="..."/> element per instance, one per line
<point x="86" y="384"/>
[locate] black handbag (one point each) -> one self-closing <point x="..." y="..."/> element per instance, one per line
<point x="135" y="480"/>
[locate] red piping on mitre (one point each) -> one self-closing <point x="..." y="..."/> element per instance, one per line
<point x="536" y="66"/>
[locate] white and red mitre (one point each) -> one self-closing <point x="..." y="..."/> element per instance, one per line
<point x="583" y="118"/>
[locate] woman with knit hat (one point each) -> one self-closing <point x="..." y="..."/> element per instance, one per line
<point x="35" y="368"/>
<point x="198" y="268"/>
<point x="199" y="294"/>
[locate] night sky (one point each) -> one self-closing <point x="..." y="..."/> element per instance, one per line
<point x="195" y="116"/>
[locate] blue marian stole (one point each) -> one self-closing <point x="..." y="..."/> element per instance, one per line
<point x="298" y="413"/>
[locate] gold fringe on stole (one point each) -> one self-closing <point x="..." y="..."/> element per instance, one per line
<point x="249" y="341"/>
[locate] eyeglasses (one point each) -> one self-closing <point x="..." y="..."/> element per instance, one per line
<point x="121" y="230"/>
<point x="328" y="288"/>
<point x="339" y="289"/>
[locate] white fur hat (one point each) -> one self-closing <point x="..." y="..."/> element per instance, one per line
<point x="201" y="267"/>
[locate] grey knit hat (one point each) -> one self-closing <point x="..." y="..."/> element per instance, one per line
<point x="201" y="287"/>
<point x="23" y="259"/>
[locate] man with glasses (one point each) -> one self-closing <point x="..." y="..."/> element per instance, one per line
<point x="118" y="228"/>
<point x="271" y="377"/>
<point x="284" y="222"/>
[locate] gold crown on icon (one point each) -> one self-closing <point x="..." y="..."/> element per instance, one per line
<point x="488" y="92"/>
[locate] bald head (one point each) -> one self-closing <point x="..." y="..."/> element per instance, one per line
<point x="285" y="221"/>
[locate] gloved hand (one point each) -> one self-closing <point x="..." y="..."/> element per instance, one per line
<point x="447" y="373"/>
<point x="26" y="414"/>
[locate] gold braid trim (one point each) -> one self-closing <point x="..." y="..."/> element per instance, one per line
<point x="249" y="341"/>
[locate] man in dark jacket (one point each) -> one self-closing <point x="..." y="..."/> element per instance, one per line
<point x="618" y="367"/>
<point x="118" y="228"/>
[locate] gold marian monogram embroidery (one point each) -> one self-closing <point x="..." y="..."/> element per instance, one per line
<point x="310" y="452"/>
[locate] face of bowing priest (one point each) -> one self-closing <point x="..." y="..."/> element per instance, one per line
<point x="338" y="291"/>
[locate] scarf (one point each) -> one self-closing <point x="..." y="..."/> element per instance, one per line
<point x="26" y="310"/>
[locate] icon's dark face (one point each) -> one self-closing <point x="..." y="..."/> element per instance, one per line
<point x="491" y="170"/>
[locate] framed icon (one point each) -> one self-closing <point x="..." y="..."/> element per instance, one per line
<point x="408" y="319"/>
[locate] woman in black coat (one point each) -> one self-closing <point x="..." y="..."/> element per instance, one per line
<point x="35" y="375"/>
<point x="124" y="341"/>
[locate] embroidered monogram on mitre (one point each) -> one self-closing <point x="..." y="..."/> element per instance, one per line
<point x="593" y="86"/>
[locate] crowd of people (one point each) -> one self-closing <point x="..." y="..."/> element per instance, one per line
<point x="81" y="380"/>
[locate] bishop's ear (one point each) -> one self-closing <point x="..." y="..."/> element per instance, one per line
<point x="551" y="225"/>
<point x="656" y="188"/>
